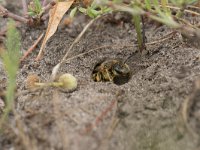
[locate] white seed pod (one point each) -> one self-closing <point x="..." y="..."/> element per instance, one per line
<point x="69" y="81"/>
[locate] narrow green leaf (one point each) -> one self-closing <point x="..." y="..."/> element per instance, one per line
<point x="73" y="12"/>
<point x="38" y="6"/>
<point x="148" y="4"/>
<point x="83" y="10"/>
<point x="11" y="64"/>
<point x="164" y="4"/>
<point x="137" y="23"/>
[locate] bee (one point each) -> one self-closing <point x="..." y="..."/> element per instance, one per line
<point x="113" y="70"/>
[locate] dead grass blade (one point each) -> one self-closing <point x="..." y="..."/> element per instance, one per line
<point x="55" y="16"/>
<point x="165" y="37"/>
<point x="56" y="68"/>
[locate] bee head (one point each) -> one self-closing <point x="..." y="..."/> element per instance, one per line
<point x="120" y="69"/>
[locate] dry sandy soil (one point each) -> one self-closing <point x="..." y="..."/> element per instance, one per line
<point x="144" y="114"/>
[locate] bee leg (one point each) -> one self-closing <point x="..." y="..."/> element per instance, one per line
<point x="95" y="77"/>
<point x="109" y="76"/>
<point x="98" y="77"/>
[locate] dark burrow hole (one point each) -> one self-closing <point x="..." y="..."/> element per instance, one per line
<point x="111" y="70"/>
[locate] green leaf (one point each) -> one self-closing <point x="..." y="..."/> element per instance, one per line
<point x="164" y="4"/>
<point x="31" y="13"/>
<point x="73" y="12"/>
<point x="92" y="12"/>
<point x="11" y="59"/>
<point x="148" y="4"/>
<point x="137" y="23"/>
<point x="38" y="6"/>
<point x="83" y="10"/>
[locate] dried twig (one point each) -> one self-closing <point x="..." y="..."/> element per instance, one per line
<point x="48" y="6"/>
<point x="32" y="47"/>
<point x="7" y="14"/>
<point x="25" y="7"/>
<point x="193" y="7"/>
<point x="45" y="17"/>
<point x="186" y="10"/>
<point x="44" y="2"/>
<point x="45" y="9"/>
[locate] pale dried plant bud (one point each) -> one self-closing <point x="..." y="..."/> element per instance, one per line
<point x="31" y="80"/>
<point x="69" y="82"/>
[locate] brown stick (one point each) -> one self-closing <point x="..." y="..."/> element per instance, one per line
<point x="44" y="3"/>
<point x="25" y="8"/>
<point x="45" y="9"/>
<point x="49" y="6"/>
<point x="6" y="14"/>
<point x="32" y="47"/>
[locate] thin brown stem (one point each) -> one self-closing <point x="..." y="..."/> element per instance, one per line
<point x="6" y="14"/>
<point x="44" y="2"/>
<point x="48" y="6"/>
<point x="25" y="7"/>
<point x="32" y="47"/>
<point x="45" y="17"/>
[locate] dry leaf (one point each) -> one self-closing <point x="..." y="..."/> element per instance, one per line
<point x="55" y="16"/>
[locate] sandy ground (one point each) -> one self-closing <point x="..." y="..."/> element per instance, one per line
<point x="144" y="114"/>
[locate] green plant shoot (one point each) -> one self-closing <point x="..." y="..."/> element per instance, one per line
<point x="137" y="23"/>
<point x="35" y="8"/>
<point x="95" y="10"/>
<point x="11" y="64"/>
